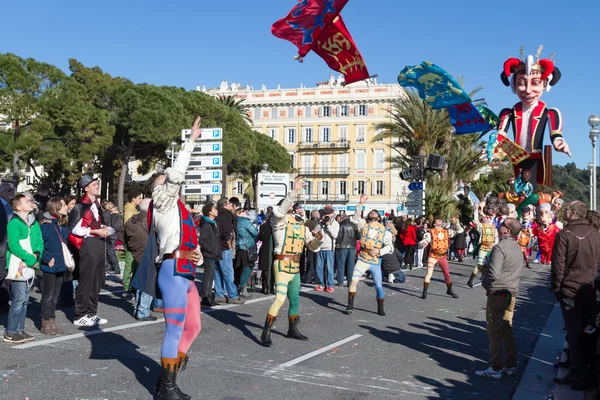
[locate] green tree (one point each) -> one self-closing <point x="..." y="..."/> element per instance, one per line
<point x="25" y="85"/>
<point x="237" y="105"/>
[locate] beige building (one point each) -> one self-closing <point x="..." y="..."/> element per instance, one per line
<point x="328" y="132"/>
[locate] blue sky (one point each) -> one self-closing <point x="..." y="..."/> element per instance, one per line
<point x="188" y="43"/>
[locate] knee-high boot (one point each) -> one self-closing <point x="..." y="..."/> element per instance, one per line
<point x="167" y="385"/>
<point x="380" y="309"/>
<point x="265" y="338"/>
<point x="470" y="283"/>
<point x="350" y="302"/>
<point x="425" y="287"/>
<point x="450" y="291"/>
<point x="265" y="283"/>
<point x="293" y="332"/>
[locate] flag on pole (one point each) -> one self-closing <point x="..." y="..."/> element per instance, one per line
<point x="466" y="118"/>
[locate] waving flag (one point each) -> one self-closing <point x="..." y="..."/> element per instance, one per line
<point x="434" y="85"/>
<point x="489" y="116"/>
<point x="316" y="25"/>
<point x="466" y="118"/>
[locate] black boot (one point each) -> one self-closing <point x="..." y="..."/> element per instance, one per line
<point x="350" y="302"/>
<point x="265" y="284"/>
<point x="265" y="338"/>
<point x="293" y="332"/>
<point x="470" y="283"/>
<point x="450" y="291"/>
<point x="380" y="309"/>
<point x="167" y="384"/>
<point x="425" y="287"/>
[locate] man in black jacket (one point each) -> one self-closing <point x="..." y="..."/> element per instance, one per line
<point x="7" y="193"/>
<point x="345" y="250"/>
<point x="575" y="255"/>
<point x="210" y="246"/>
<point x="224" y="276"/>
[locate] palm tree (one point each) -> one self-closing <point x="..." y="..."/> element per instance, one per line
<point x="234" y="103"/>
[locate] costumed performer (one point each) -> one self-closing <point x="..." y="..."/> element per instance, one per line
<point x="439" y="242"/>
<point x="290" y="235"/>
<point x="375" y="242"/>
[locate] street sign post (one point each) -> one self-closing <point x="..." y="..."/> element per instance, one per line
<point x="203" y="175"/>
<point x="205" y="162"/>
<point x="416" y="186"/>
<point x="271" y="189"/>
<point x="416" y="204"/>
<point x="202" y="189"/>
<point x="205" y="134"/>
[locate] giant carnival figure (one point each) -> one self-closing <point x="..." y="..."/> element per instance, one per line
<point x="528" y="118"/>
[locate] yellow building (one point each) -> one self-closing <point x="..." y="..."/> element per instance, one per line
<point x="328" y="132"/>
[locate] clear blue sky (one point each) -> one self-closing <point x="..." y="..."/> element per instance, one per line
<point x="188" y="43"/>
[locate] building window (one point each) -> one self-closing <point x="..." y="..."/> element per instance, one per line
<point x="293" y="160"/>
<point x="325" y="111"/>
<point x="291" y="112"/>
<point x="325" y="135"/>
<point x="362" y="110"/>
<point x="361" y="159"/>
<point x="343" y="160"/>
<point x="306" y="161"/>
<point x="361" y="134"/>
<point x="325" y="163"/>
<point x="256" y="114"/>
<point x="343" y="133"/>
<point x="325" y="187"/>
<point x="379" y="159"/>
<point x="380" y="188"/>
<point x="377" y="133"/>
<point x="274" y="133"/>
<point x="308" y="188"/>
<point x="290" y="137"/>
<point x="342" y="188"/>
<point x="360" y="187"/>
<point x="274" y="113"/>
<point x="308" y="135"/>
<point x="343" y="111"/>
<point x="308" y="112"/>
<point x="238" y="188"/>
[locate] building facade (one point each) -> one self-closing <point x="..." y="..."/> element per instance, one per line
<point x="328" y="131"/>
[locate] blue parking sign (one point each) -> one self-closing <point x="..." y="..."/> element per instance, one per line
<point x="216" y="174"/>
<point x="215" y="188"/>
<point x="216" y="133"/>
<point x="216" y="161"/>
<point x="216" y="146"/>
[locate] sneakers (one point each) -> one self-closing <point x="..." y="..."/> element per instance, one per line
<point x="509" y="371"/>
<point x="319" y="288"/>
<point x="536" y="261"/>
<point x="235" y="301"/>
<point x="90" y="321"/>
<point x="489" y="373"/>
<point x="329" y="290"/>
<point x="26" y="336"/>
<point x="148" y="318"/>
<point x="14" y="338"/>
<point x="220" y="300"/>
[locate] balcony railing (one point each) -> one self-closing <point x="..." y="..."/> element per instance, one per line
<point x="339" y="145"/>
<point x="331" y="198"/>
<point x="324" y="171"/>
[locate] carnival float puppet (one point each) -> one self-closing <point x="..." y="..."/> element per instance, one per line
<point x="545" y="231"/>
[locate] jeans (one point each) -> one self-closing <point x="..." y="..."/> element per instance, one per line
<point x="322" y="257"/>
<point x="52" y="286"/>
<point x="143" y="301"/>
<point x="344" y="259"/>
<point x="224" y="276"/>
<point x="399" y="276"/>
<point x="18" y="307"/>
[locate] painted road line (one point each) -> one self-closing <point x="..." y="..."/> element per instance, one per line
<point x="312" y="354"/>
<point x="135" y="324"/>
<point x="477" y="284"/>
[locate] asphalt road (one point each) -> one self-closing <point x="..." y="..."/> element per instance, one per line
<point x="422" y="349"/>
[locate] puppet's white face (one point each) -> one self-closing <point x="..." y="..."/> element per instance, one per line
<point x="529" y="87"/>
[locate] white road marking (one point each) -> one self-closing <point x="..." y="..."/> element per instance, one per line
<point x="477" y="284"/>
<point x="135" y="324"/>
<point x="311" y="355"/>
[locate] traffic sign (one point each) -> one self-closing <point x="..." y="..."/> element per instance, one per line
<point x="415" y="186"/>
<point x="415" y="203"/>
<point x="203" y="175"/>
<point x="205" y="162"/>
<point x="202" y="189"/>
<point x="207" y="148"/>
<point x="205" y="134"/>
<point x="417" y="195"/>
<point x="271" y="189"/>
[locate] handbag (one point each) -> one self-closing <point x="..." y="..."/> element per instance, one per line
<point x="252" y="253"/>
<point x="67" y="256"/>
<point x="17" y="269"/>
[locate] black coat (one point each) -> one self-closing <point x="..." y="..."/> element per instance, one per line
<point x="460" y="240"/>
<point x="391" y="262"/>
<point x="209" y="240"/>
<point x="265" y="254"/>
<point x="146" y="274"/>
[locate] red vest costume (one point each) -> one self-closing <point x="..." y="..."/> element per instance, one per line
<point x="83" y="212"/>
<point x="188" y="240"/>
<point x="546" y="238"/>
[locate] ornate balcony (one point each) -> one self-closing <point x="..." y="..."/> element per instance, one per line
<point x="324" y="171"/>
<point x="336" y="146"/>
<point x="324" y="198"/>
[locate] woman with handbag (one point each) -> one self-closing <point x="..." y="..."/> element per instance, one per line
<point x="25" y="247"/>
<point x="247" y="253"/>
<point x="55" y="261"/>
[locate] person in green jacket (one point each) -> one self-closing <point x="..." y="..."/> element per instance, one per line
<point x="22" y="226"/>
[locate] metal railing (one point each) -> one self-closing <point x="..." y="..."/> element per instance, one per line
<point x="340" y="144"/>
<point x="324" y="197"/>
<point x="324" y="171"/>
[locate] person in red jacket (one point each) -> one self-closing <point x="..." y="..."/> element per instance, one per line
<point x="408" y="236"/>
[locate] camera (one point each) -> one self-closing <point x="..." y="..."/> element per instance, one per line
<point x="326" y="219"/>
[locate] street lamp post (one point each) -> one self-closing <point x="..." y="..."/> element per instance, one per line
<point x="591" y="169"/>
<point x="405" y="192"/>
<point x="594" y="121"/>
<point x="171" y="153"/>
